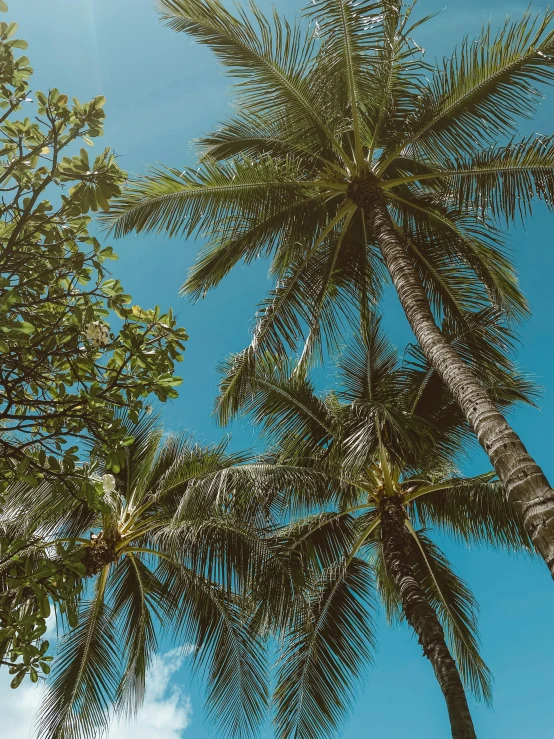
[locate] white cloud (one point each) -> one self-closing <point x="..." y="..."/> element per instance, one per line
<point x="166" y="712"/>
<point x="18" y="707"/>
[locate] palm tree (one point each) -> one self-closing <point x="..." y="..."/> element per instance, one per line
<point x="162" y="553"/>
<point x="349" y="159"/>
<point x="391" y="433"/>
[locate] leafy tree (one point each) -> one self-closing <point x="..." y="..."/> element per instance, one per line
<point x="161" y="556"/>
<point x="351" y="160"/>
<point x="33" y="575"/>
<point x="72" y="346"/>
<point x="391" y="434"/>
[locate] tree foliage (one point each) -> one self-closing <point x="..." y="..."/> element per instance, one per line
<point x="326" y="107"/>
<point x="162" y="554"/>
<point x="73" y="347"/>
<point x="388" y="430"/>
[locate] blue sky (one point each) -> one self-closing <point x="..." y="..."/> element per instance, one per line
<point x="163" y="91"/>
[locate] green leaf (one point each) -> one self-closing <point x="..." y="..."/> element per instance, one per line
<point x="326" y="648"/>
<point x="18" y="679"/>
<point x="30" y="480"/>
<point x="23" y="327"/>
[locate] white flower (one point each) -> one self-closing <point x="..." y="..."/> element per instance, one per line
<point x="108" y="483"/>
<point x="148" y="410"/>
<point x="98" y="333"/>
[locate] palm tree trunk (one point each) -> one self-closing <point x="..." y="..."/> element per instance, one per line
<point x="422" y="617"/>
<point x="524" y="481"/>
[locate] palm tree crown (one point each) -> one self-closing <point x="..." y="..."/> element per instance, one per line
<point x="333" y="116"/>
<point x="350" y="158"/>
<point x="162" y="554"/>
<point x="391" y="433"/>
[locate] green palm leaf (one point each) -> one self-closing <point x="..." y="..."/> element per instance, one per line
<point x="326" y="649"/>
<point x="252" y="237"/>
<point x="230" y="655"/>
<point x="452" y="249"/>
<point x="139" y="602"/>
<point x="456" y="606"/>
<point x="502" y="180"/>
<point x="86" y="676"/>
<point x="166" y="199"/>
<point x="348" y="36"/>
<point x="483" y="88"/>
<point x="283" y="400"/>
<point x="271" y="57"/>
<point x="475" y="511"/>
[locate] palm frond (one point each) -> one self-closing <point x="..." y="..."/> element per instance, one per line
<point x="348" y="31"/>
<point x="180" y="202"/>
<point x="321" y="539"/>
<point x="85" y="677"/>
<point x="282" y="322"/>
<point x="482" y="89"/>
<point x="371" y="386"/>
<point x="503" y="180"/>
<point x="323" y="311"/>
<point x="229" y="653"/>
<point x="270" y="56"/>
<point x="457" y="609"/>
<point x="223" y="548"/>
<point x="251" y="237"/>
<point x="255" y="489"/>
<point x="180" y="464"/>
<point x="485" y="342"/>
<point x="47" y="510"/>
<point x="282" y="400"/>
<point x="147" y="434"/>
<point x="324" y="653"/>
<point x="396" y="72"/>
<point x="279" y="586"/>
<point x="139" y="602"/>
<point x="253" y="134"/>
<point x="368" y="365"/>
<point x="475" y="511"/>
<point x="464" y="262"/>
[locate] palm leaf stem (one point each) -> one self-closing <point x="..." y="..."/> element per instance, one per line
<point x="444" y="486"/>
<point x="348" y="56"/>
<point x="365" y="534"/>
<point x="448" y="173"/>
<point x="389" y="487"/>
<point x="146" y="550"/>
<point x="326" y="522"/>
<point x="319" y="301"/>
<point x="415" y="537"/>
<point x="495" y="76"/>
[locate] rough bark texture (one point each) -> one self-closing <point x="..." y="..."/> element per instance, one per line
<point x="524" y="481"/>
<point x="421" y="616"/>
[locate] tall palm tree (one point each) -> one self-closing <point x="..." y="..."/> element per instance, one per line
<point x="154" y="558"/>
<point x="391" y="432"/>
<point x="350" y="158"/>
